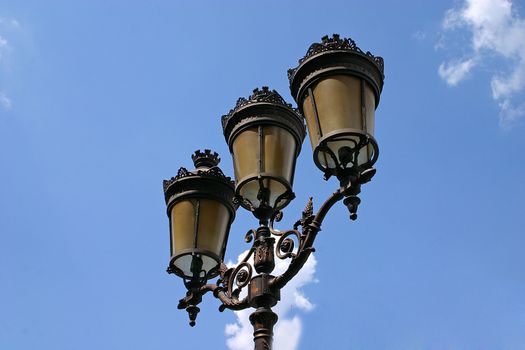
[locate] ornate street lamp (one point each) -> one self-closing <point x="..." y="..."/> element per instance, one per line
<point x="337" y="88"/>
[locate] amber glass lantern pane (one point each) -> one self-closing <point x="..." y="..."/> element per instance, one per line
<point x="279" y="152"/>
<point x="182" y="221"/>
<point x="246" y="147"/>
<point x="212" y="226"/>
<point x="204" y="238"/>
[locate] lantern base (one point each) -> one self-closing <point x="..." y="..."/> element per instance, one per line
<point x="347" y="152"/>
<point x="263" y="195"/>
<point x="193" y="264"/>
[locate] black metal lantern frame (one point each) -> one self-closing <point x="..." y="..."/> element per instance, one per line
<point x="254" y="272"/>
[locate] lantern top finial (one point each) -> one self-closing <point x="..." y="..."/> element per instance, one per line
<point x="207" y="159"/>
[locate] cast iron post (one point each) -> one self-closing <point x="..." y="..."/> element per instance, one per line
<point x="260" y="294"/>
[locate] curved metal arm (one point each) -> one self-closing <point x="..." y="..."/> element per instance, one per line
<point x="311" y="225"/>
<point x="230" y="303"/>
<point x="194" y="297"/>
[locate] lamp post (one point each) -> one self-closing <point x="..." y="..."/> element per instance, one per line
<point x="337" y="88"/>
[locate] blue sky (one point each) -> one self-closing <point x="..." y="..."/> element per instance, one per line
<point x="100" y="101"/>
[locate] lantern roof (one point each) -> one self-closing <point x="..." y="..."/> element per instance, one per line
<point x="266" y="104"/>
<point x="335" y="55"/>
<point x="206" y="163"/>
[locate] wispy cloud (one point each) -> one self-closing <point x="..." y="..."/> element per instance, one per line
<point x="7" y="27"/>
<point x="4" y="47"/>
<point x="5" y="101"/>
<point x="9" y="22"/>
<point x="287" y="332"/>
<point x="455" y="71"/>
<point x="419" y="35"/>
<point x="495" y="30"/>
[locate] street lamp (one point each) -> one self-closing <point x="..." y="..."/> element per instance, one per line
<point x="337" y="88"/>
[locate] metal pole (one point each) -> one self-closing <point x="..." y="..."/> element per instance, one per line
<point x="263" y="319"/>
<point x="260" y="294"/>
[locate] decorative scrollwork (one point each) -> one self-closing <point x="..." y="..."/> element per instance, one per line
<point x="276" y="217"/>
<point x="242" y="278"/>
<point x="241" y="275"/>
<point x="182" y="172"/>
<point x="250" y="235"/>
<point x="238" y="200"/>
<point x="285" y="245"/>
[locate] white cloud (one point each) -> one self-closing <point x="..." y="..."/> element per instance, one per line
<point x="454" y="72"/>
<point x="496" y="31"/>
<point x="287" y="331"/>
<point x="9" y="23"/>
<point x="4" y="47"/>
<point x="503" y="87"/>
<point x="8" y="26"/>
<point x="511" y="113"/>
<point x="5" y="101"/>
<point x="419" y="35"/>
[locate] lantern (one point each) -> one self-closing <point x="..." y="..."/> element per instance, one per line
<point x="264" y="134"/>
<point x="200" y="208"/>
<point x="337" y="88"/>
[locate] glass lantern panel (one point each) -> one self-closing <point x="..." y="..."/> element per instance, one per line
<point x="365" y="152"/>
<point x="279" y="152"/>
<point x="370" y="109"/>
<point x="184" y="264"/>
<point x="311" y="121"/>
<point x="338" y="101"/>
<point x="182" y="221"/>
<point x="214" y="218"/>
<point x="249" y="191"/>
<point x="246" y="148"/>
<point x="276" y="189"/>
